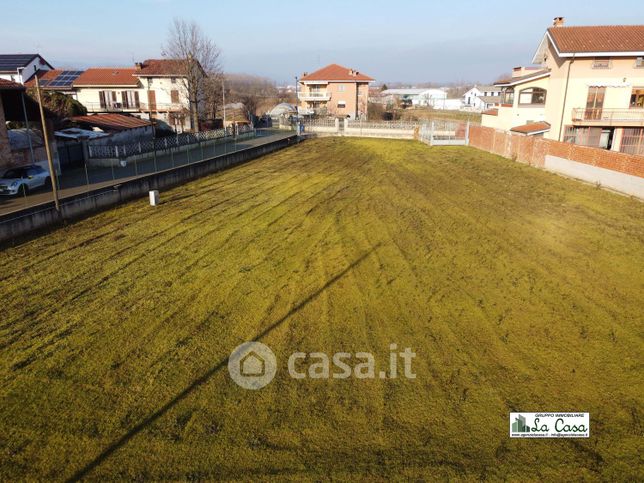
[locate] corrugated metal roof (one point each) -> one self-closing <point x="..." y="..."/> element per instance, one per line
<point x="112" y="122"/>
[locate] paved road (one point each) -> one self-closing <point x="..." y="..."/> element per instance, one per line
<point x="81" y="180"/>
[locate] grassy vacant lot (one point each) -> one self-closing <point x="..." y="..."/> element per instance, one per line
<point x="518" y="290"/>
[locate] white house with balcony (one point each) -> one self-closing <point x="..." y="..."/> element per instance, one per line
<point x="154" y="89"/>
<point x="587" y="88"/>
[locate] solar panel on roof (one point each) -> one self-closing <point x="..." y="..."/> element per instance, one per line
<point x="11" y="62"/>
<point x="65" y="78"/>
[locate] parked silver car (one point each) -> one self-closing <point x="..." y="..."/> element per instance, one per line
<point x="24" y="179"/>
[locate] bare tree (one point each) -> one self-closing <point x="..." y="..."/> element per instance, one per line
<point x="199" y="59"/>
<point x="256" y="93"/>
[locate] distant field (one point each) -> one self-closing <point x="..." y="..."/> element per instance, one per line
<point x="517" y="289"/>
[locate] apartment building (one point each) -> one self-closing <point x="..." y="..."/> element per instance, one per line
<point x="154" y="89"/>
<point x="336" y="91"/>
<point x="588" y="89"/>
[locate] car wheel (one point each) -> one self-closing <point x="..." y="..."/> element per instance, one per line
<point x="23" y="190"/>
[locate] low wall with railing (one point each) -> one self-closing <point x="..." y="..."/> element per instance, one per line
<point x="106" y="155"/>
<point x="45" y="215"/>
<point x="381" y="129"/>
<point x="618" y="171"/>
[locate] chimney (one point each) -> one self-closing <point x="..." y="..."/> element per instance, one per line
<point x="138" y="65"/>
<point x="558" y="22"/>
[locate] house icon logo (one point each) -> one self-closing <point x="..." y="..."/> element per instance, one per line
<point x="519" y="425"/>
<point x="252" y="365"/>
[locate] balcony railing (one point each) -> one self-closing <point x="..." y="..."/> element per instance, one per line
<point x="314" y="96"/>
<point x="141" y="107"/>
<point x="608" y="117"/>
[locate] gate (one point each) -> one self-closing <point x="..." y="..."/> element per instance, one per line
<point x="445" y="133"/>
<point x="70" y="154"/>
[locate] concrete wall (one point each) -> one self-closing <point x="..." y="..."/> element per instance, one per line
<point x="618" y="171"/>
<point x="45" y="216"/>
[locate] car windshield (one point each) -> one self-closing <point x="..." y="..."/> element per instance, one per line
<point x="14" y="173"/>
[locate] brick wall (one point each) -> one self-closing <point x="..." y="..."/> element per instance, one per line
<point x="533" y="150"/>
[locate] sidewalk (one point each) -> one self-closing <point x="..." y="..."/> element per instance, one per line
<point x="81" y="180"/>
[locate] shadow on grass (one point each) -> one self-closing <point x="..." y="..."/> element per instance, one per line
<point x="123" y="440"/>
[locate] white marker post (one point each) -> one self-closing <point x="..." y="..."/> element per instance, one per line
<point x="154" y="197"/>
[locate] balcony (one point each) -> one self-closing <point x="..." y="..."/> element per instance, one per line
<point x="607" y="117"/>
<point x="95" y="107"/>
<point x="314" y="96"/>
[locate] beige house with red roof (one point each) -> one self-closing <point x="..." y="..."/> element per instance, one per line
<point x="588" y="89"/>
<point x="334" y="90"/>
<point x="153" y="89"/>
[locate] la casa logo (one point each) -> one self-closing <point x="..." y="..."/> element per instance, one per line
<point x="550" y="425"/>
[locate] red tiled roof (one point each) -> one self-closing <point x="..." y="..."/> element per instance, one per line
<point x="491" y="112"/>
<point x="112" y="122"/>
<point x="532" y="128"/>
<point x="7" y="85"/>
<point x="107" y="76"/>
<point x="601" y="38"/>
<point x="43" y="75"/>
<point x="161" y="67"/>
<point x="335" y="72"/>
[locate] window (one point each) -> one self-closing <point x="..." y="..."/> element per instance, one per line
<point x="130" y="99"/>
<point x="341" y="87"/>
<point x="342" y="104"/>
<point x="174" y="97"/>
<point x="602" y="64"/>
<point x="633" y="141"/>
<point x="508" y="96"/>
<point x="532" y="96"/>
<point x="639" y="63"/>
<point x="637" y="98"/>
<point x="595" y="137"/>
<point x="173" y="80"/>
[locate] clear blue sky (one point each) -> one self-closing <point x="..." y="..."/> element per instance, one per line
<point x="412" y="41"/>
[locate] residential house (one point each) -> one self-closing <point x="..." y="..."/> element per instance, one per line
<point x="482" y="97"/>
<point x="592" y="89"/>
<point x="334" y="90"/>
<point x="21" y="67"/>
<point x="527" y="107"/>
<point x="417" y="97"/>
<point x="154" y="89"/>
<point x="57" y="80"/>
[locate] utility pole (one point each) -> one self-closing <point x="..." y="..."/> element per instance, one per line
<point x="45" y="135"/>
<point x="223" y="98"/>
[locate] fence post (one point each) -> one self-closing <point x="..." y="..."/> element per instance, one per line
<point x="431" y="134"/>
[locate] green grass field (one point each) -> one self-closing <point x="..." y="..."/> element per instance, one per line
<point x="518" y="290"/>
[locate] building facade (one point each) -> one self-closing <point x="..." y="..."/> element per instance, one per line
<point x="591" y="92"/>
<point x="21" y="67"/>
<point x="334" y="91"/>
<point x="155" y="89"/>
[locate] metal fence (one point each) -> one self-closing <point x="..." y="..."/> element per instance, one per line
<point x="446" y="133"/>
<point x="111" y="151"/>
